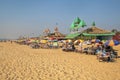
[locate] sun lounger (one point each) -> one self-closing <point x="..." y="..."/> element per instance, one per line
<point x="102" y="57"/>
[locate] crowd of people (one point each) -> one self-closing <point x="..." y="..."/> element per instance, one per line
<point x="102" y="51"/>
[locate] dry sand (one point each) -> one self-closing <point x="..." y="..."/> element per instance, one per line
<point x="20" y="62"/>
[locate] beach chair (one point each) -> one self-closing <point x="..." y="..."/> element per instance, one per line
<point x="91" y="51"/>
<point x="102" y="57"/>
<point x="34" y="45"/>
<point x="85" y="50"/>
<point x="55" y="45"/>
<point x="114" y="54"/>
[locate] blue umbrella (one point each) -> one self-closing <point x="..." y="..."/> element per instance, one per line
<point x="96" y="40"/>
<point x="112" y="43"/>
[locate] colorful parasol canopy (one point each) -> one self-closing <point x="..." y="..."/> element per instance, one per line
<point x="95" y="40"/>
<point x="31" y="40"/>
<point x="112" y="43"/>
<point x="69" y="41"/>
<point x="78" y="41"/>
<point x="43" y="41"/>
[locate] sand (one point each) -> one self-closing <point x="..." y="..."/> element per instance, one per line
<point x="20" y="62"/>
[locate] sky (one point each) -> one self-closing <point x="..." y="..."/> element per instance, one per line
<point x="32" y="17"/>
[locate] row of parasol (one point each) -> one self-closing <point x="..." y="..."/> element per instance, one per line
<point x="108" y="42"/>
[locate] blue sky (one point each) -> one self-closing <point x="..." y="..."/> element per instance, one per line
<point x="25" y="17"/>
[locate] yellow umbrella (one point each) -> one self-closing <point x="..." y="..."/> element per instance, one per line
<point x="31" y="40"/>
<point x="80" y="40"/>
<point x="43" y="41"/>
<point x="76" y="41"/>
<point x="69" y="40"/>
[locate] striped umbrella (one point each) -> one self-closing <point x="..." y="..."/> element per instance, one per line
<point x="112" y="43"/>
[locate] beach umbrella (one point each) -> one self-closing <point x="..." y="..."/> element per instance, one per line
<point x="95" y="40"/>
<point x="72" y="26"/>
<point x="37" y="41"/>
<point x="82" y="24"/>
<point x="97" y="44"/>
<point x="103" y="41"/>
<point x="69" y="41"/>
<point x="93" y="24"/>
<point x="77" y="41"/>
<point x="31" y="40"/>
<point x="51" y="38"/>
<point x="112" y="43"/>
<point x="64" y="41"/>
<point x="77" y="20"/>
<point x="80" y="40"/>
<point x="43" y="41"/>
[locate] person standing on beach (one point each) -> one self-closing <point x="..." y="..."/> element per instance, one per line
<point x="11" y="41"/>
<point x="80" y="45"/>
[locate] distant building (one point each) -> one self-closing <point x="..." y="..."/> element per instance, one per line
<point x="54" y="35"/>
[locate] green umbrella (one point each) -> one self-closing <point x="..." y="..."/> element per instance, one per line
<point x="93" y="24"/>
<point x="82" y="24"/>
<point x="77" y="20"/>
<point x="72" y="26"/>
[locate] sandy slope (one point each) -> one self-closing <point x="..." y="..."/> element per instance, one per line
<point x="20" y="62"/>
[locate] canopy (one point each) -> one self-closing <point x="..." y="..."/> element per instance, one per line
<point x="95" y="40"/>
<point x="43" y="41"/>
<point x="72" y="26"/>
<point x="77" y="20"/>
<point x="93" y="24"/>
<point x="71" y="36"/>
<point x="76" y="41"/>
<point x="82" y="24"/>
<point x="77" y="23"/>
<point x="107" y="34"/>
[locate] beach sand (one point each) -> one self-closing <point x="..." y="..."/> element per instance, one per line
<point x="20" y="62"/>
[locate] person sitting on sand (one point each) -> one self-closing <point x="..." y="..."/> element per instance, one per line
<point x="93" y="50"/>
<point x="65" y="47"/>
<point x="73" y="47"/>
<point x="104" y="54"/>
<point x="108" y="48"/>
